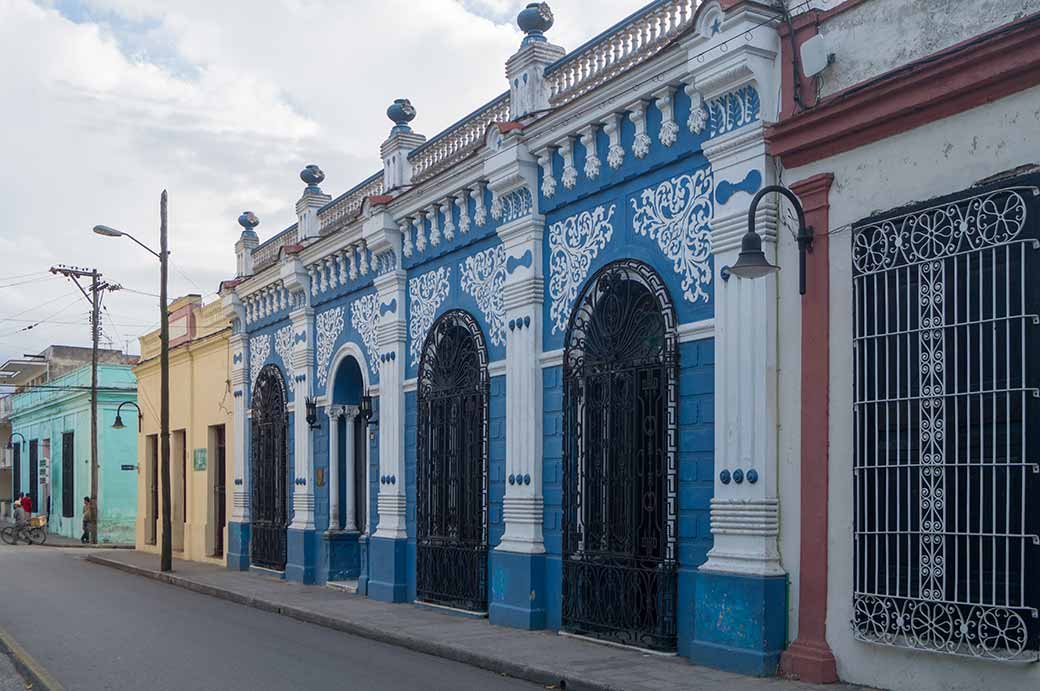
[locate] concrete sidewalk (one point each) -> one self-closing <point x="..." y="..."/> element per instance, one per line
<point x="55" y="540"/>
<point x="539" y="656"/>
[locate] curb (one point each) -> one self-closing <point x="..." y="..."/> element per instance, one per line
<point x="27" y="665"/>
<point x="539" y="675"/>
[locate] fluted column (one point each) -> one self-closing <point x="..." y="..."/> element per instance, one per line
<point x="391" y="340"/>
<point x="334" y="412"/>
<point x="349" y="502"/>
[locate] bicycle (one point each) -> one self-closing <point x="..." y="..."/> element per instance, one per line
<point x="33" y="535"/>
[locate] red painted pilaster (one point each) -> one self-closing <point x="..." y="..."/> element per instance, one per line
<point x="810" y="658"/>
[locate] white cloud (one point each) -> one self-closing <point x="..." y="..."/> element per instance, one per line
<point x="222" y="103"/>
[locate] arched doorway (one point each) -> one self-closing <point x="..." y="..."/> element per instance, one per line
<point x="269" y="466"/>
<point x="620" y="505"/>
<point x="452" y="463"/>
<point x="348" y="447"/>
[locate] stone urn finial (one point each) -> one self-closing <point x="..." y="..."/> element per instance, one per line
<point x="313" y="176"/>
<point x="534" y="20"/>
<point x="402" y="112"/>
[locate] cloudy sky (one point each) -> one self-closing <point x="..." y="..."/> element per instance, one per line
<point x="107" y="102"/>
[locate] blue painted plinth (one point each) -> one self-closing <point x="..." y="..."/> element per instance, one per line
<point x="387" y="569"/>
<point x="362" y="581"/>
<point x="517" y="596"/>
<point x="304" y="554"/>
<point x="740" y="622"/>
<point x="342" y="559"/>
<point x="238" y="546"/>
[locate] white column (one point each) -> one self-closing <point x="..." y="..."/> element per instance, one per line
<point x="334" y="412"/>
<point x="349" y="415"/>
<point x="390" y="335"/>
<point x="744" y="514"/>
<point x="239" y="385"/>
<point x="522" y="506"/>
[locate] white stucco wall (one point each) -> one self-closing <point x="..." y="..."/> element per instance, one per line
<point x="936" y="159"/>
<point x="877" y="36"/>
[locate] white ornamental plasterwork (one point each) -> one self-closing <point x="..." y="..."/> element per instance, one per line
<point x="482" y="275"/>
<point x="677" y="214"/>
<point x="573" y="243"/>
<point x="364" y="317"/>
<point x="283" y="345"/>
<point x="426" y="294"/>
<point x="329" y="325"/>
<point x="259" y="350"/>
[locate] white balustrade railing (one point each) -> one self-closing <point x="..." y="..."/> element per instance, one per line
<point x="332" y="216"/>
<point x="460" y="139"/>
<point x="267" y="254"/>
<point x="631" y="42"/>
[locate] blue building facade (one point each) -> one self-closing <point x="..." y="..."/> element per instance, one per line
<point x="488" y="378"/>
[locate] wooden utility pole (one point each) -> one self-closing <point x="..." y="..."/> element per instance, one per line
<point x="166" y="557"/>
<point x="93" y="296"/>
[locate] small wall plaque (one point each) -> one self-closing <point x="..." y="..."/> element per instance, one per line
<point x="319" y="476"/>
<point x="200" y="459"/>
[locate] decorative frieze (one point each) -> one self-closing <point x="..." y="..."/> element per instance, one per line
<point x="259" y="351"/>
<point x="677" y="214"/>
<point x="329" y="326"/>
<point x="483" y="275"/>
<point x="574" y="243"/>
<point x="426" y="293"/>
<point x="364" y="316"/>
<point x="283" y="345"/>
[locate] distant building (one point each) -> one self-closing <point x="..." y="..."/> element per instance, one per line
<point x="200" y="416"/>
<point x="48" y="416"/>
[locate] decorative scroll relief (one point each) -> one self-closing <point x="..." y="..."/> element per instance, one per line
<point x="511" y="206"/>
<point x="573" y="243"/>
<point x="259" y="350"/>
<point x="283" y="343"/>
<point x="426" y="292"/>
<point x="482" y="275"/>
<point x="364" y="314"/>
<point x="329" y="325"/>
<point x="983" y="220"/>
<point x="732" y="110"/>
<point x="677" y="214"/>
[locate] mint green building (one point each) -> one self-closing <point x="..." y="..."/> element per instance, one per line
<point x="51" y="458"/>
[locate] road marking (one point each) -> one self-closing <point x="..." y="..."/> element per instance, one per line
<point x="27" y="664"/>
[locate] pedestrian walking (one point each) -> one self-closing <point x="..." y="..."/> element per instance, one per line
<point x="89" y="520"/>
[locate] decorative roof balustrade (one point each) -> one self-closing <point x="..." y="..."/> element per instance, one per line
<point x="267" y="254"/>
<point x="628" y="43"/>
<point x="459" y="140"/>
<point x="343" y="208"/>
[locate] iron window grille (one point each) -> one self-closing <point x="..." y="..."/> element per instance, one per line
<point x="946" y="424"/>
<point x="452" y="465"/>
<point x="620" y="500"/>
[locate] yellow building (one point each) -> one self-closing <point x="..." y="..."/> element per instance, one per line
<point x="200" y="439"/>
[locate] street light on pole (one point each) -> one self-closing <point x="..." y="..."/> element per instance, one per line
<point x="166" y="553"/>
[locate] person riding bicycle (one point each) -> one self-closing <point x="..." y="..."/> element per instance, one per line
<point x="19" y="516"/>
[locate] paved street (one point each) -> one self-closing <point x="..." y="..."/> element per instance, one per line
<point x="96" y="628"/>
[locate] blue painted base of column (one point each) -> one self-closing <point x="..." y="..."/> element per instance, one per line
<point x="387" y="573"/>
<point x="362" y="581"/>
<point x="238" y="546"/>
<point x="740" y="622"/>
<point x="341" y="555"/>
<point x="517" y="595"/>
<point x="304" y="552"/>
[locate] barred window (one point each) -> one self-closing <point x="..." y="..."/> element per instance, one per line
<point x="947" y="419"/>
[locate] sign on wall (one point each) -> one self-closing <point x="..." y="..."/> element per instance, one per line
<point x="200" y="459"/>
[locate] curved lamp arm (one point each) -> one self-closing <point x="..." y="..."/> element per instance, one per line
<point x="10" y="444"/>
<point x="752" y="263"/>
<point x="118" y="424"/>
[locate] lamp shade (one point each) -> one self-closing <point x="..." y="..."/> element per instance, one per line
<point x="118" y="424"/>
<point x="752" y="262"/>
<point x="109" y="232"/>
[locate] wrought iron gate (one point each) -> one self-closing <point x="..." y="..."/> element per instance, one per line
<point x="947" y="424"/>
<point x="451" y="492"/>
<point x="620" y="505"/>
<point x="270" y="515"/>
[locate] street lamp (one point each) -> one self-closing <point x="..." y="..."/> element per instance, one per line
<point x="9" y="440"/>
<point x="166" y="552"/>
<point x="118" y="424"/>
<point x="752" y="261"/>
